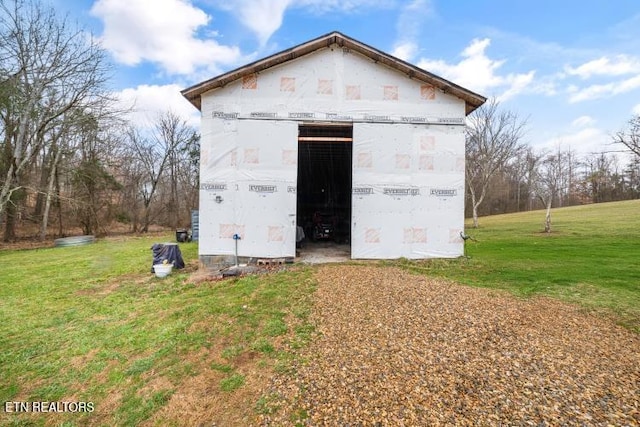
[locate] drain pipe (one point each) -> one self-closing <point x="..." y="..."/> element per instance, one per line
<point x="236" y="237"/>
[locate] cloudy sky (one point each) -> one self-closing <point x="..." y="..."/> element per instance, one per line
<point x="571" y="68"/>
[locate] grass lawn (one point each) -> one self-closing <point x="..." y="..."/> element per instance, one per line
<point x="592" y="257"/>
<point x="91" y="324"/>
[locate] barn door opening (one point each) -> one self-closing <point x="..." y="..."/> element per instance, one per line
<point x="324" y="186"/>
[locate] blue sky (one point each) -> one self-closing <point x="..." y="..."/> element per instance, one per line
<point x="571" y="68"/>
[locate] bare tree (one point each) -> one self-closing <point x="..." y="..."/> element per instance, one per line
<point x="492" y="139"/>
<point x="93" y="183"/>
<point x="632" y="172"/>
<point x="569" y="193"/>
<point x="132" y="175"/>
<point x="158" y="155"/>
<point x="631" y="136"/>
<point x="603" y="179"/>
<point x="49" y="70"/>
<point x="549" y="177"/>
<point x="150" y="163"/>
<point x="189" y="174"/>
<point x="56" y="149"/>
<point x="523" y="170"/>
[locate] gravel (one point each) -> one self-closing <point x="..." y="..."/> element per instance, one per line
<point x="397" y="349"/>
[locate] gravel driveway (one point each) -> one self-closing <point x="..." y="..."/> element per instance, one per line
<point x="398" y="349"/>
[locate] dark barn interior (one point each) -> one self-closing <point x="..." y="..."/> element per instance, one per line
<point x="324" y="182"/>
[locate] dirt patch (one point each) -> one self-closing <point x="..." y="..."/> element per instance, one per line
<point x="105" y="409"/>
<point x="399" y="349"/>
<point x="81" y="360"/>
<point x="200" y="401"/>
<point x="203" y="275"/>
<point x="102" y="289"/>
<point x="156" y="384"/>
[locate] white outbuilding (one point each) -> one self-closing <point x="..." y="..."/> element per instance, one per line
<point x="331" y="136"/>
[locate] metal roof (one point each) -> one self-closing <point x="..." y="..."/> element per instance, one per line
<point x="472" y="100"/>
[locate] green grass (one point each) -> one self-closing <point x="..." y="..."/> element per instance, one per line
<point x="91" y="323"/>
<point x="592" y="257"/>
<point x="232" y="382"/>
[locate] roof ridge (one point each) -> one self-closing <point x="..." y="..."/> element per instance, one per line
<point x="472" y="99"/>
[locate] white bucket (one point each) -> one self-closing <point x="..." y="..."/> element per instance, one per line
<point x="162" y="270"/>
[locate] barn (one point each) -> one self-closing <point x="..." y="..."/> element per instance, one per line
<point x="338" y="140"/>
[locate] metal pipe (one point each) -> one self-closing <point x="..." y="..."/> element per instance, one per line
<point x="236" y="237"/>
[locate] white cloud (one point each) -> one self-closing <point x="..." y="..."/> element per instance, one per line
<point x="405" y="50"/>
<point x="148" y="101"/>
<point x="614" y="66"/>
<point x="477" y="72"/>
<point x="264" y="17"/>
<point x="583" y="121"/>
<point x="344" y="6"/>
<point x="408" y="26"/>
<point x="603" y="90"/>
<point x="605" y="66"/>
<point x="160" y="31"/>
<point x="546" y="85"/>
<point x="516" y="84"/>
<point x="636" y="109"/>
<point x="583" y="141"/>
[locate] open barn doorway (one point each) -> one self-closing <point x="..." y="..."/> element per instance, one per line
<point x="324" y="191"/>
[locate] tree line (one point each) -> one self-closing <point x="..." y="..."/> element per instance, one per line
<point x="69" y="160"/>
<point x="505" y="175"/>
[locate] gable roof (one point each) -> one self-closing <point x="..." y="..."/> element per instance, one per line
<point x="472" y="100"/>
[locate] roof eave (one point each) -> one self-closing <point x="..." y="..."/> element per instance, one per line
<point x="472" y="100"/>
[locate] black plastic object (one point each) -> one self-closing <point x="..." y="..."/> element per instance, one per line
<point x="183" y="235"/>
<point x="169" y="252"/>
